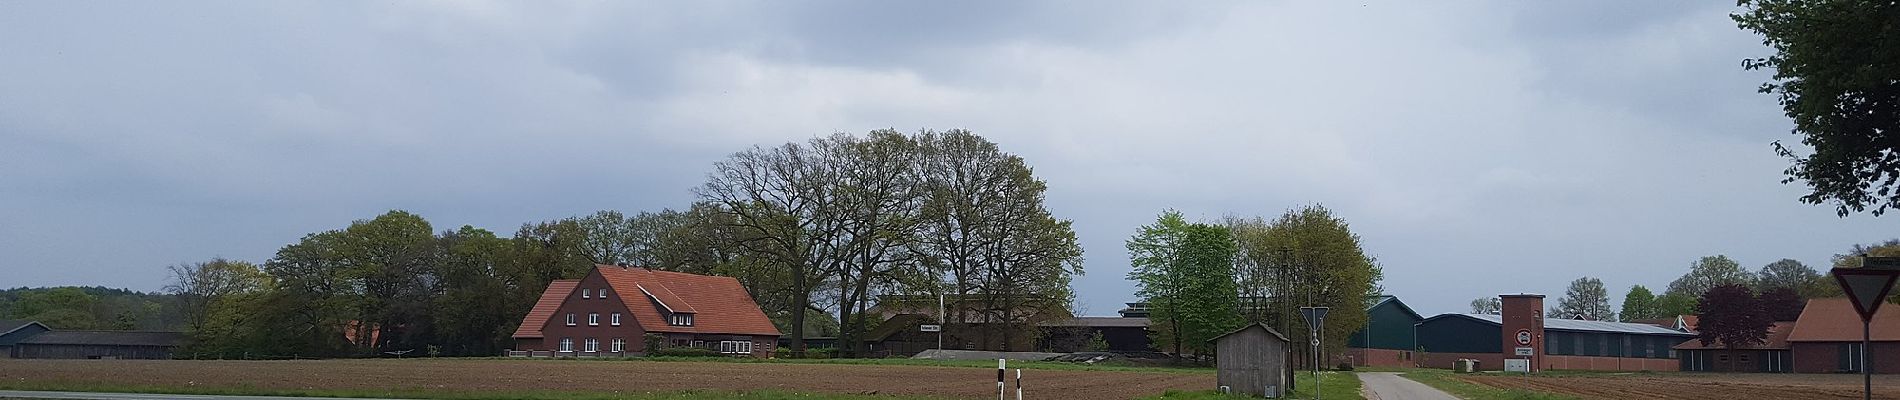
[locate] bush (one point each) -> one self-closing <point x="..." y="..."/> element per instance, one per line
<point x="1343" y="367"/>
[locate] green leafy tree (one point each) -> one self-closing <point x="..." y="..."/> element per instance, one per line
<point x="1837" y="75"/>
<point x="1790" y="274"/>
<point x="1675" y="304"/>
<point x="1184" y="271"/>
<point x="1310" y="257"/>
<point x="1782" y="304"/>
<point x="1585" y="299"/>
<point x="1709" y="272"/>
<point x="60" y="308"/>
<point x="1641" y="304"/>
<point x="217" y="298"/>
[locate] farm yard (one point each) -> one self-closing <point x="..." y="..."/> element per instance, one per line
<point x="1692" y="386"/>
<point x="482" y="378"/>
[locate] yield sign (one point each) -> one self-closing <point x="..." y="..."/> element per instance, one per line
<point x="1867" y="287"/>
<point x="1314" y="314"/>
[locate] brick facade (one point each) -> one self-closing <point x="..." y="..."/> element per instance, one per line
<point x="1826" y="357"/>
<point x="1523" y="313"/>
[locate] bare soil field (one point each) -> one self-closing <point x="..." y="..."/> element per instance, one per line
<point x="1699" y="386"/>
<point x="472" y="375"/>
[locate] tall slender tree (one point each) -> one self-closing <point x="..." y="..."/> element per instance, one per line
<point x="1640" y="304"/>
<point x="1184" y="271"/>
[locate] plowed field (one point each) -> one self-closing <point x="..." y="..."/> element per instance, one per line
<point x="1699" y="386"/>
<point x="596" y="376"/>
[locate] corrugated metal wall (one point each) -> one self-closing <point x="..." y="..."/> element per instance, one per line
<point x="83" y="352"/>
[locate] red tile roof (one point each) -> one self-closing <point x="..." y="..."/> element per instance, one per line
<point x="543" y="309"/>
<point x="1834" y="320"/>
<point x="1777" y="340"/>
<point x="719" y="303"/>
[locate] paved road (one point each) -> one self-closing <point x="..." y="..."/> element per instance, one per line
<point x="141" y="396"/>
<point x="1390" y="386"/>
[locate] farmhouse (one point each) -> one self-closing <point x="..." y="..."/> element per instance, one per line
<point x="1388" y="339"/>
<point x="1551" y="343"/>
<point x="100" y="345"/>
<point x="1772" y="355"/>
<point x="1827" y="338"/>
<point x="612" y="310"/>
<point x="13" y="331"/>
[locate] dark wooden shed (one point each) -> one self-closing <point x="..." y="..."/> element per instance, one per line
<point x="13" y="331"/>
<point x="1252" y="361"/>
<point x="100" y="344"/>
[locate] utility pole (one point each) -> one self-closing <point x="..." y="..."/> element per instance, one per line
<point x="1282" y="286"/>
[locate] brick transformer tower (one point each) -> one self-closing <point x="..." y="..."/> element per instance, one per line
<point x="1523" y="324"/>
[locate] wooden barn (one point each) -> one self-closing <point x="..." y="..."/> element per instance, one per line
<point x="100" y="345"/>
<point x="1252" y="361"/>
<point x="13" y="331"/>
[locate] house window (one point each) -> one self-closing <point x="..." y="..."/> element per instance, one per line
<point x="585" y="294"/>
<point x="620" y="345"/>
<point x="681" y="320"/>
<point x="567" y="345"/>
<point x="593" y="345"/>
<point x="570" y="319"/>
<point x="616" y="319"/>
<point x="735" y="347"/>
<point x="603" y="293"/>
<point x="593" y="319"/>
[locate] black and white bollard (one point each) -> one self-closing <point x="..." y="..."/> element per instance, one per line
<point x="999" y="378"/>
<point x="1019" y="384"/>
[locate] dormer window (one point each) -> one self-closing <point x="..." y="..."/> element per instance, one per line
<point x="586" y="294"/>
<point x="603" y="293"/>
<point x="681" y="320"/>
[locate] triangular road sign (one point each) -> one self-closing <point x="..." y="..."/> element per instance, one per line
<point x="1867" y="288"/>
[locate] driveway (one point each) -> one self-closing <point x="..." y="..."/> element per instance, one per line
<point x="1391" y="386"/>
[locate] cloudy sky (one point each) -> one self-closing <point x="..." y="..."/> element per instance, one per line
<point x="1479" y="148"/>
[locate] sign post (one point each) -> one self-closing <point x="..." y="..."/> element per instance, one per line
<point x="1867" y="287"/>
<point x="1315" y="319"/>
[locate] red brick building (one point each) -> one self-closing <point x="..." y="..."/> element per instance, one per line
<point x="611" y="310"/>
<point x="1827" y="338"/>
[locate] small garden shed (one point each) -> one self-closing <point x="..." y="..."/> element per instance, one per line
<point x="1252" y="361"/>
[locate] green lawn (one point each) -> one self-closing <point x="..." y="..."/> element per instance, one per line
<point x="1333" y="385"/>
<point x="1447" y="381"/>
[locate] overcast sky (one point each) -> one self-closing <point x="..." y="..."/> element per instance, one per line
<point x="1478" y="148"/>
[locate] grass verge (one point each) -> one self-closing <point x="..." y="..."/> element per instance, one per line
<point x="1333" y="385"/>
<point x="448" y="394"/>
<point x="1449" y="382"/>
<point x="1030" y="365"/>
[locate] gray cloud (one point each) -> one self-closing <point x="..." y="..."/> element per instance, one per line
<point x="1478" y="148"/>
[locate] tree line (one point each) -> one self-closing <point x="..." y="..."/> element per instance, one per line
<point x="1203" y="279"/>
<point x="89" y="308"/>
<point x="815" y="231"/>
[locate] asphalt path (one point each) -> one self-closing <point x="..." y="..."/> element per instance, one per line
<point x="143" y="396"/>
<point x="1391" y="386"/>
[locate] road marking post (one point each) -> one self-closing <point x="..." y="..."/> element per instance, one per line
<point x="1019" y="384"/>
<point x="1000" y="362"/>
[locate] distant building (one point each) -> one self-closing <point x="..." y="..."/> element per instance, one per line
<point x="13" y="331"/>
<point x="1123" y="334"/>
<point x="1388" y="340"/>
<point x="1772" y="355"/>
<point x="1827" y="338"/>
<point x="1550" y="343"/>
<point x="100" y="345"/>
<point x="611" y="310"/>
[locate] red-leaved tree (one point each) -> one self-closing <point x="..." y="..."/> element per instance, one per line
<point x="1782" y="304"/>
<point x="1731" y="314"/>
